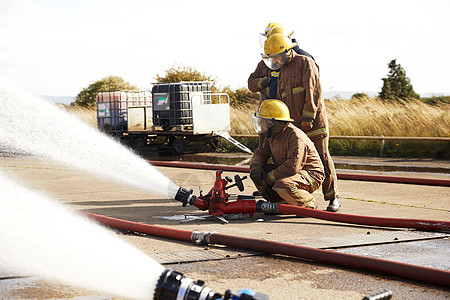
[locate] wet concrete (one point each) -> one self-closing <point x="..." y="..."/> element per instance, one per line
<point x="430" y="253"/>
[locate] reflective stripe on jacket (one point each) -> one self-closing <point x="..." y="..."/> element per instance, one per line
<point x="299" y="87"/>
<point x="291" y="151"/>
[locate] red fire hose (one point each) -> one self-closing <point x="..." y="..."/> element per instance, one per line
<point x="365" y="220"/>
<point x="216" y="202"/>
<point x="175" y="234"/>
<point x="436" y="276"/>
<point x="360" y="177"/>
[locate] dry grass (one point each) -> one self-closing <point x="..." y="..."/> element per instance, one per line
<point x="389" y="118"/>
<point x="368" y="117"/>
<point x="241" y="119"/>
<point x="87" y="115"/>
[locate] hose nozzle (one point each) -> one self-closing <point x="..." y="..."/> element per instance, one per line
<point x="185" y="196"/>
<point x="174" y="285"/>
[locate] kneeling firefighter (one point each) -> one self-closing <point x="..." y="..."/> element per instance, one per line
<point x="286" y="167"/>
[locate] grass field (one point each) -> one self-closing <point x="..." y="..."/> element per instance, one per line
<point x="360" y="117"/>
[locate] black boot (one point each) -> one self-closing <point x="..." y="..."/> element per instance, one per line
<point x="334" y="205"/>
<point x="256" y="194"/>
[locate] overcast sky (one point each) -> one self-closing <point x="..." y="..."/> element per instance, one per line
<point x="58" y="47"/>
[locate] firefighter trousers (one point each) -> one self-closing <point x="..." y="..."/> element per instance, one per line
<point x="294" y="190"/>
<point x="329" y="186"/>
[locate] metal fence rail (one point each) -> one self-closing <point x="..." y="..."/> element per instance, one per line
<point x="381" y="138"/>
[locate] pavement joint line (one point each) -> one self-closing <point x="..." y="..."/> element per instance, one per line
<point x="217" y="252"/>
<point x="395" y="204"/>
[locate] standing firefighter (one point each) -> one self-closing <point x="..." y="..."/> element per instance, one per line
<point x="295" y="170"/>
<point x="264" y="80"/>
<point x="299" y="87"/>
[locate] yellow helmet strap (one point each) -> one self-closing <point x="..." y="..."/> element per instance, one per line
<point x="290" y="54"/>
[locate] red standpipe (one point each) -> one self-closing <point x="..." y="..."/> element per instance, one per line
<point x="222" y="208"/>
<point x="360" y="177"/>
<point x="436" y="276"/>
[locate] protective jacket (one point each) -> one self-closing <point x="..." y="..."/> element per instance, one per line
<point x="299" y="87"/>
<point x="291" y="152"/>
<point x="258" y="81"/>
<point x="265" y="80"/>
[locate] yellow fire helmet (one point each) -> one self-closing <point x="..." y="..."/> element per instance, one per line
<point x="270" y="26"/>
<point x="276" y="44"/>
<point x="274" y="109"/>
<point x="270" y="110"/>
<point x="263" y="35"/>
<point x="279" y="29"/>
<point x="275" y="50"/>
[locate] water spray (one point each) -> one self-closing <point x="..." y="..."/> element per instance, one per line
<point x="31" y="125"/>
<point x="43" y="238"/>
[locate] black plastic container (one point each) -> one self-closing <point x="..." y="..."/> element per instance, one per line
<point x="172" y="103"/>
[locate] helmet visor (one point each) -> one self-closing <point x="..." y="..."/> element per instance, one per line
<point x="261" y="125"/>
<point x="276" y="61"/>
<point x="262" y="39"/>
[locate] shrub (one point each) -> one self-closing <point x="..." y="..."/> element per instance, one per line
<point x="86" y="98"/>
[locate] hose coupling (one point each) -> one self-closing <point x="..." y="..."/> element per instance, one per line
<point x="383" y="295"/>
<point x="185" y="196"/>
<point x="202" y="237"/>
<point x="266" y="207"/>
<point x="174" y="285"/>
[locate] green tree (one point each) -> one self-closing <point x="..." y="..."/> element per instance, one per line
<point x="184" y="73"/>
<point x="396" y="85"/>
<point x="86" y="98"/>
<point x="241" y="96"/>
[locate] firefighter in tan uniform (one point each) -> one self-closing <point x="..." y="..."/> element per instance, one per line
<point x="299" y="87"/>
<point x="263" y="79"/>
<point x="296" y="170"/>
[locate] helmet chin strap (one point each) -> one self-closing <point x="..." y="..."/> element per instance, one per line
<point x="276" y="128"/>
<point x="269" y="131"/>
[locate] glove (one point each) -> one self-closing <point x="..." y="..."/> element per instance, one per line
<point x="306" y="125"/>
<point x="266" y="82"/>
<point x="266" y="188"/>
<point x="257" y="174"/>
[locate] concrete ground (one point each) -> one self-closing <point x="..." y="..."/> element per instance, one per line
<point x="277" y="276"/>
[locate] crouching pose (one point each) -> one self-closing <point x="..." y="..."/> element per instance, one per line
<point x="286" y="166"/>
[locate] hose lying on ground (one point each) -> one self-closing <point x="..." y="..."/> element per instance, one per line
<point x="345" y="176"/>
<point x="354" y="261"/>
<point x="365" y="220"/>
<point x="248" y="205"/>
